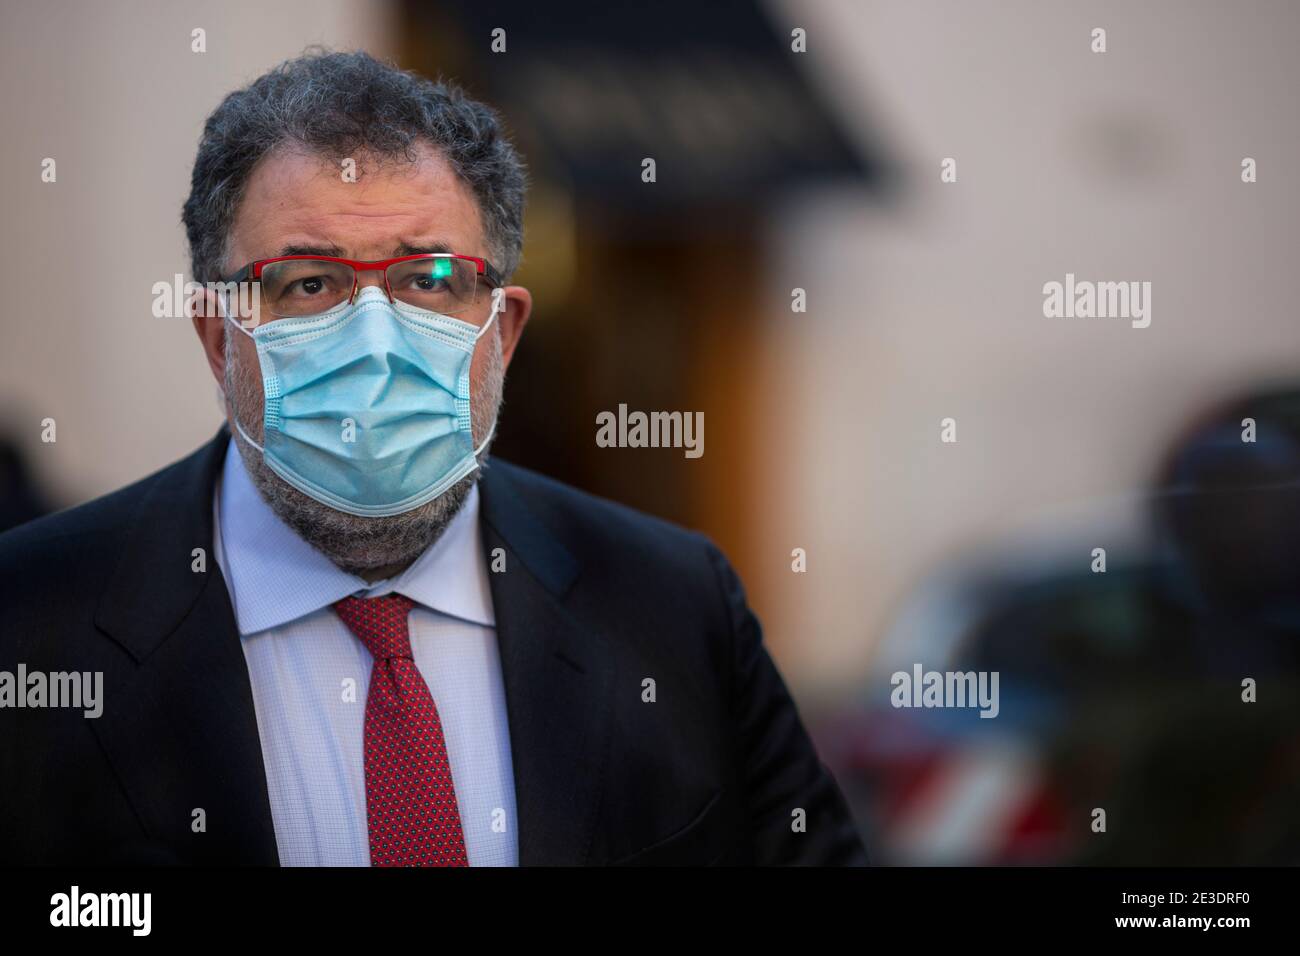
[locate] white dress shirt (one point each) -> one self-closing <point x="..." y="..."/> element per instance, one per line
<point x="310" y="676"/>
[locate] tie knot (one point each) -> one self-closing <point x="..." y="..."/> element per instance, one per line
<point x="379" y="623"/>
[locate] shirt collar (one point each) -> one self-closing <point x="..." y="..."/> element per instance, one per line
<point x="276" y="577"/>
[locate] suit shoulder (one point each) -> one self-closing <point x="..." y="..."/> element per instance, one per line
<point x="83" y="542"/>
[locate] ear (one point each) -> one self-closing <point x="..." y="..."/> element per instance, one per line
<point x="205" y="313"/>
<point x="517" y="305"/>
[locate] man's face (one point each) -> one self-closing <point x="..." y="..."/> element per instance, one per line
<point x="299" y="201"/>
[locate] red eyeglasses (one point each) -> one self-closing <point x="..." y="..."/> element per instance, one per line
<point x="444" y="282"/>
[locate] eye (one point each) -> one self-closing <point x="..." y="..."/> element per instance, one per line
<point x="425" y="277"/>
<point x="303" y="286"/>
<point x="308" y="286"/>
<point x="430" y="280"/>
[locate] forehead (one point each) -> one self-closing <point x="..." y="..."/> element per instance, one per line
<point x="299" y="198"/>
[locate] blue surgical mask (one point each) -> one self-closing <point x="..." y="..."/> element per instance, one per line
<point x="368" y="404"/>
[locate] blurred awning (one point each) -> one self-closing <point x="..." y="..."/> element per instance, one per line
<point x="711" y="91"/>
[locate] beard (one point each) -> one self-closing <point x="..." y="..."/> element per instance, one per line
<point x="355" y="544"/>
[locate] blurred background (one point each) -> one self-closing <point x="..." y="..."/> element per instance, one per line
<point x="818" y="170"/>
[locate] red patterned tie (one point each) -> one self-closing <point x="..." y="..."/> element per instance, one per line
<point x="410" y="798"/>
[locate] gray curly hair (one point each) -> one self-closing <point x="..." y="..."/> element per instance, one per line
<point x="347" y="104"/>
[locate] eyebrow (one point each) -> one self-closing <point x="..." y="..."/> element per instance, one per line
<point x="420" y="247"/>
<point x="298" y="249"/>
<point x="404" y="248"/>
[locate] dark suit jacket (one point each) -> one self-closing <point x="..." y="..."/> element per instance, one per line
<point x="594" y="599"/>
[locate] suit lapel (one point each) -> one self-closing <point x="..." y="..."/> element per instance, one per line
<point x="179" y="726"/>
<point x="557" y="682"/>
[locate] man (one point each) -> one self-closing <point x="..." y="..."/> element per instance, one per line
<point x="339" y="634"/>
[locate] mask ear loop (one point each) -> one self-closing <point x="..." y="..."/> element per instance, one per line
<point x="497" y="306"/>
<point x="481" y="332"/>
<point x="243" y="434"/>
<point x="225" y="308"/>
